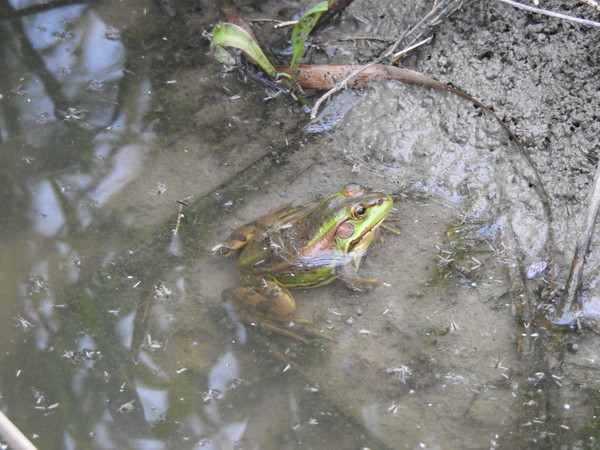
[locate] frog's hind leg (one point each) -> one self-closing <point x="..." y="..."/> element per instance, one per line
<point x="270" y="306"/>
<point x="266" y="299"/>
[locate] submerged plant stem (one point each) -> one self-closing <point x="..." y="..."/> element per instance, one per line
<point x="570" y="305"/>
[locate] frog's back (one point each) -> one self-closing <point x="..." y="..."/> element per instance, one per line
<point x="277" y="254"/>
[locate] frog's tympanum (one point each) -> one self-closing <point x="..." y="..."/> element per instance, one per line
<point x="302" y="247"/>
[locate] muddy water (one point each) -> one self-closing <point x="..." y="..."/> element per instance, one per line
<point x="113" y="332"/>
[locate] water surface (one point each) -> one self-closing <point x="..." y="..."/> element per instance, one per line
<point x="113" y="332"/>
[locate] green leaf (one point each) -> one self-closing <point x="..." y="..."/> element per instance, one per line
<point x="302" y="29"/>
<point x="231" y="35"/>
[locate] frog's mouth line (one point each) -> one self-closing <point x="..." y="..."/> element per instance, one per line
<point x="367" y="237"/>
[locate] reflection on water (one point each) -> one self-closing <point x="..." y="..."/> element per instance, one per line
<point x="73" y="136"/>
<point x="81" y="368"/>
<point x="64" y="94"/>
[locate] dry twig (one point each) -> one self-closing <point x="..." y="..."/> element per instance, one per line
<point x="591" y="3"/>
<point x="182" y="203"/>
<point x="552" y="13"/>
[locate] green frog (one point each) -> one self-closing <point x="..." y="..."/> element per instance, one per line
<point x="302" y="247"/>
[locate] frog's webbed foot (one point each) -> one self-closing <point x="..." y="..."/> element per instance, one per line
<point x="221" y="248"/>
<point x="270" y="306"/>
<point x="363" y="284"/>
<point x="357" y="283"/>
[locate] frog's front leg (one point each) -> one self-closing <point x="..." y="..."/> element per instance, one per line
<point x="244" y="234"/>
<point x="348" y="274"/>
<point x="236" y="240"/>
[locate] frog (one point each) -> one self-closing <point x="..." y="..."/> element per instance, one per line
<point x="302" y="247"/>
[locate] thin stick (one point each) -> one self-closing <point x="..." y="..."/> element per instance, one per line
<point x="13" y="435"/>
<point x="570" y="305"/>
<point x="591" y="3"/>
<point x="401" y="54"/>
<point x="551" y="13"/>
<point x="182" y="203"/>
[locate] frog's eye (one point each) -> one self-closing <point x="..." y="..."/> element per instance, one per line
<point x="358" y="211"/>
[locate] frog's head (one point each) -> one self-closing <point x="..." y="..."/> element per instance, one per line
<point x="346" y="221"/>
<point x="364" y="211"/>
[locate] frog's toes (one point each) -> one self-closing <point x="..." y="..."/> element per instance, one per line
<point x="221" y="248"/>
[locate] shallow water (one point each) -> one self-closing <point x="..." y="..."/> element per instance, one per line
<point x="113" y="332"/>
